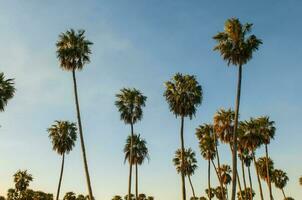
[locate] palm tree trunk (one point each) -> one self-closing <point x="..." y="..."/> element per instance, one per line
<point x="258" y="178"/>
<point x="130" y="163"/>
<point x="283" y="193"/>
<point x="250" y="180"/>
<point x="61" y="175"/>
<point x="243" y="175"/>
<point x="182" y="158"/>
<point x="81" y="136"/>
<point x="234" y="155"/>
<point x="189" y="177"/>
<point x="209" y="180"/>
<point x="136" y="181"/>
<point x="239" y="185"/>
<point x="219" y="178"/>
<point x="268" y="175"/>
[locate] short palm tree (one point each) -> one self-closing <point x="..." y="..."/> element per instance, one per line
<point x="267" y="130"/>
<point x="188" y="167"/>
<point x="63" y="135"/>
<point x="183" y="94"/>
<point x="262" y="168"/>
<point x="22" y="180"/>
<point x="130" y="103"/>
<point x="7" y="90"/>
<point x="73" y="51"/>
<point x="280" y="179"/>
<point x="236" y="47"/>
<point x="207" y="145"/>
<point x="139" y="154"/>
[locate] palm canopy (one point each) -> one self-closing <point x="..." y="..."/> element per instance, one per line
<point x="7" y="90"/>
<point x="139" y="150"/>
<point x="249" y="135"/>
<point x="207" y="142"/>
<point x="129" y="103"/>
<point x="266" y="128"/>
<point x="73" y="50"/>
<point x="224" y="124"/>
<point x="190" y="163"/>
<point x="225" y="171"/>
<point x="22" y="180"/>
<point x="280" y="178"/>
<point x="235" y="44"/>
<point x="63" y="135"/>
<point x="183" y="94"/>
<point x="261" y="166"/>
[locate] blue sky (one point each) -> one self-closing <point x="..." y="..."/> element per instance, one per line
<point x="142" y="44"/>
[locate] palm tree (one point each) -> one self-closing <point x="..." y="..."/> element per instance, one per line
<point x="7" y="90"/>
<point x="129" y="103"/>
<point x="63" y="135"/>
<point x="117" y="197"/>
<point x="139" y="155"/>
<point x="188" y="167"/>
<point x="70" y="196"/>
<point x="207" y="144"/>
<point x="236" y="47"/>
<point x="183" y="94"/>
<point x="267" y="130"/>
<point x="251" y="140"/>
<point x="73" y="51"/>
<point x="22" y="180"/>
<point x="280" y="179"/>
<point x="226" y="178"/>
<point x="247" y="194"/>
<point x="262" y="168"/>
<point x="300" y="180"/>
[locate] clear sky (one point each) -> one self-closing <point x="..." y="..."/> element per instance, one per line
<point x="142" y="44"/>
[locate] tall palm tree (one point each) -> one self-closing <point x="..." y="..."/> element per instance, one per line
<point x="236" y="47"/>
<point x="130" y="103"/>
<point x="188" y="167"/>
<point x="251" y="140"/>
<point x="7" y="90"/>
<point x="183" y="94"/>
<point x="267" y="130"/>
<point x="73" y="51"/>
<point x="262" y="168"/>
<point x="280" y="179"/>
<point x="207" y="145"/>
<point x="63" y="135"/>
<point x="139" y="154"/>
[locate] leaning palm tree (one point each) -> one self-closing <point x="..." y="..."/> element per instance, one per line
<point x="63" y="135"/>
<point x="188" y="167"/>
<point x="267" y="130"/>
<point x="262" y="168"/>
<point x="129" y="103"/>
<point x="280" y="179"/>
<point x="7" y="90"/>
<point x="207" y="145"/>
<point x="183" y="94"/>
<point x="73" y="51"/>
<point x="236" y="47"/>
<point x="139" y="154"/>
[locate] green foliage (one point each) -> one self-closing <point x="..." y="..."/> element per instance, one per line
<point x="117" y="197"/>
<point x="183" y="94"/>
<point x="218" y="192"/>
<point x="261" y="166"/>
<point x="63" y="135"/>
<point x="225" y="171"/>
<point x="73" y="50"/>
<point x="224" y="125"/>
<point x="139" y="149"/>
<point x="22" y="180"/>
<point x="210" y="193"/>
<point x="7" y="90"/>
<point x="279" y="178"/>
<point x="207" y="142"/>
<point x="129" y="103"/>
<point x="246" y="194"/>
<point x="190" y="163"/>
<point x="300" y="180"/>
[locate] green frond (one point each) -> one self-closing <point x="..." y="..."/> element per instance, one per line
<point x="7" y="90"/>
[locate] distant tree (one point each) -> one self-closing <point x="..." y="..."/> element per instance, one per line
<point x="7" y="90"/>
<point x="219" y="194"/>
<point x="246" y="194"/>
<point x="22" y="180"/>
<point x="132" y="197"/>
<point x="117" y="197"/>
<point x="280" y="179"/>
<point x="210" y="192"/>
<point x="70" y="196"/>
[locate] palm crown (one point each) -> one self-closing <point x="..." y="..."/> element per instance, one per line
<point x="73" y="50"/>
<point x="207" y="142"/>
<point x="63" y="135"/>
<point x="234" y="44"/>
<point x="22" y="180"/>
<point x="183" y="94"/>
<point x="261" y="166"/>
<point x="139" y="150"/>
<point x="129" y="103"/>
<point x="280" y="178"/>
<point x="190" y="163"/>
<point x="7" y="90"/>
<point x="266" y="129"/>
<point x="224" y="124"/>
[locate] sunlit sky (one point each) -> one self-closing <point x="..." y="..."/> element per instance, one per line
<point x="142" y="44"/>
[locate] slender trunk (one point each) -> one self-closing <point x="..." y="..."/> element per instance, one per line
<point x="81" y="136"/>
<point x="136" y="181"/>
<point x="182" y="158"/>
<point x="219" y="178"/>
<point x="243" y="175"/>
<point x="250" y="180"/>
<point x="130" y="163"/>
<point x="61" y="175"/>
<point x="268" y="175"/>
<point x="283" y="193"/>
<point x="234" y="155"/>
<point x="239" y="185"/>
<point x="209" y="179"/>
<point x="258" y="178"/>
<point x="189" y="177"/>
